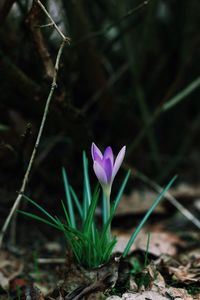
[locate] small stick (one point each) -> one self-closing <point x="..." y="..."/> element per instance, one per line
<point x="45" y="25"/>
<point x="65" y="38"/>
<point x="44" y="261"/>
<point x="46" y="109"/>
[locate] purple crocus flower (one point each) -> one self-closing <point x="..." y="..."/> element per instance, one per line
<point x="105" y="167"/>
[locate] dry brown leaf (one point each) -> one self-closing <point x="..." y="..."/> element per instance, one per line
<point x="166" y="294"/>
<point x="157" y="280"/>
<point x="196" y="297"/>
<point x="176" y="293"/>
<point x="160" y="243"/>
<point x="192" y="255"/>
<point x="10" y="267"/>
<point x="185" y="274"/>
<point x="4" y="282"/>
<point x="96" y="296"/>
<point x="185" y="191"/>
<point x="150" y="295"/>
<point x="187" y="269"/>
<point x="138" y="202"/>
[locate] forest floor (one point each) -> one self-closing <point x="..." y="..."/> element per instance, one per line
<point x="164" y="262"/>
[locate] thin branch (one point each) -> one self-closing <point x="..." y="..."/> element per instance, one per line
<point x="45" y="25"/>
<point x="30" y="165"/>
<point x="39" y="41"/>
<point x="53" y="260"/>
<point x="65" y="38"/>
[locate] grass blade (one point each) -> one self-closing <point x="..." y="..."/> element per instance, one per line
<point x="87" y="190"/>
<point x="66" y="214"/>
<point x="181" y="95"/>
<point x="68" y="199"/>
<point x="77" y="202"/>
<point x="119" y="195"/>
<point x="40" y="208"/>
<point x="90" y="213"/>
<point x="72" y="240"/>
<point x="84" y="203"/>
<point x="86" y="178"/>
<point x="33" y="216"/>
<point x="139" y="227"/>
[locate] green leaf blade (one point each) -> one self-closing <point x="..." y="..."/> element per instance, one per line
<point x="68" y="199"/>
<point x="143" y="221"/>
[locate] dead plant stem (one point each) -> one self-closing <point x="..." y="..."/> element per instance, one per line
<point x="44" y="117"/>
<point x="52" y="22"/>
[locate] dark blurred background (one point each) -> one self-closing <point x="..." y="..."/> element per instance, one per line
<point x="127" y="60"/>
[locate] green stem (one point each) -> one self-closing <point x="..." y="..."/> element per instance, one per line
<point x="106" y="209"/>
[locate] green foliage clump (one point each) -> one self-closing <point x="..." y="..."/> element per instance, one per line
<point x="90" y="246"/>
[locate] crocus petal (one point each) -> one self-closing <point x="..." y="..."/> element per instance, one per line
<point x="118" y="161"/>
<point x="108" y="153"/>
<point x="108" y="168"/>
<point x="100" y="173"/>
<point x="96" y="153"/>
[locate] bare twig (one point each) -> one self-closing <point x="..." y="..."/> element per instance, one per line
<point x="65" y="38"/>
<point x="45" y="25"/>
<point x="39" y="41"/>
<point x="53" y="260"/>
<point x="30" y="164"/>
